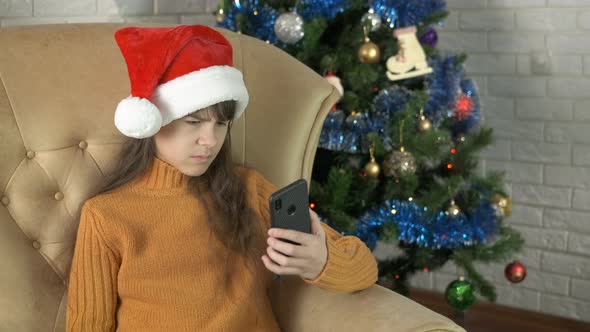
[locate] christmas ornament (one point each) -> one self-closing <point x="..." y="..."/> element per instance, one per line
<point x="424" y="124"/>
<point x="453" y="209"/>
<point x="515" y="272"/>
<point x="410" y="61"/>
<point x="372" y="20"/>
<point x="463" y="107"/>
<point x="429" y="37"/>
<point x="335" y="81"/>
<point x="369" y="52"/>
<point x="289" y="27"/>
<point x="460" y="294"/>
<point x="502" y="205"/>
<point x="372" y="168"/>
<point x="220" y="16"/>
<point x="399" y="163"/>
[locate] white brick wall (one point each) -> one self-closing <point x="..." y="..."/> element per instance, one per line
<point x="25" y="12"/>
<point x="536" y="66"/>
<point x="531" y="60"/>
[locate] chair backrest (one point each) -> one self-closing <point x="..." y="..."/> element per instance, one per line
<point x="60" y="87"/>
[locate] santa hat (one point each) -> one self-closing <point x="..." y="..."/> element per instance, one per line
<point x="175" y="71"/>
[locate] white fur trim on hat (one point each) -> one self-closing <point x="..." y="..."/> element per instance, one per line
<point x="137" y="117"/>
<point x="199" y="89"/>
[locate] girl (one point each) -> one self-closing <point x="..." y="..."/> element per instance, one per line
<point x="179" y="239"/>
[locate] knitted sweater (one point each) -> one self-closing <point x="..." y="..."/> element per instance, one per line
<point x="142" y="262"/>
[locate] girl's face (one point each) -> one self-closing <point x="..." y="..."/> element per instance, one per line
<point x="190" y="144"/>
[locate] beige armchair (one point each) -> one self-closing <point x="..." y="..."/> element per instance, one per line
<point x="60" y="86"/>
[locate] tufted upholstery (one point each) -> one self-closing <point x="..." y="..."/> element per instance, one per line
<point x="60" y="86"/>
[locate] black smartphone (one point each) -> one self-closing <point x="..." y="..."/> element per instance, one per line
<point x="289" y="208"/>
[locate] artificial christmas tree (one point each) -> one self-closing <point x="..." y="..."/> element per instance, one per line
<point x="397" y="157"/>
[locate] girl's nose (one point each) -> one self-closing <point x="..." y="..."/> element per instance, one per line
<point x="207" y="136"/>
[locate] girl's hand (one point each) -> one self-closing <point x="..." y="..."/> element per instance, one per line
<point x="306" y="260"/>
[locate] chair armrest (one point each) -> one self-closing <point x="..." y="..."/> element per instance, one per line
<point x="299" y="306"/>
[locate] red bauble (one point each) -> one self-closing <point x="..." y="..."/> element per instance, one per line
<point x="515" y="272"/>
<point x="463" y="107"/>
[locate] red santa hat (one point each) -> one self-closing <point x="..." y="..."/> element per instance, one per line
<point x="175" y="71"/>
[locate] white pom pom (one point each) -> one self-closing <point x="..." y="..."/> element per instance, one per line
<point x="137" y="117"/>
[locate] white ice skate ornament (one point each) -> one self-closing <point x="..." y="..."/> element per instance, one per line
<point x="410" y="61"/>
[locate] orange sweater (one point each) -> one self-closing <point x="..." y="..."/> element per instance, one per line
<point x="141" y="264"/>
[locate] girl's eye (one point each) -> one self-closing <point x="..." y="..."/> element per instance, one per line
<point x="224" y="124"/>
<point x="193" y="122"/>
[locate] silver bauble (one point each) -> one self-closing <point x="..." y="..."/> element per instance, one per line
<point x="374" y="19"/>
<point x="289" y="27"/>
<point x="399" y="164"/>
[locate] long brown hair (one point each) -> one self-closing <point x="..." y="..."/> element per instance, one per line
<point x="220" y="189"/>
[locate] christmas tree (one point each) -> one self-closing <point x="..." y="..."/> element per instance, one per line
<point x="398" y="155"/>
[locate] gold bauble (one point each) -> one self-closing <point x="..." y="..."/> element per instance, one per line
<point x="369" y="52"/>
<point x="399" y="164"/>
<point x="424" y="124"/>
<point x="503" y="205"/>
<point x="453" y="210"/>
<point x="372" y="168"/>
<point x="220" y="16"/>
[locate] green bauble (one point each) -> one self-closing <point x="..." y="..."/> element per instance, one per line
<point x="460" y="294"/>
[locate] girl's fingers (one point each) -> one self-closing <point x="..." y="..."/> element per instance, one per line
<point x="289" y="234"/>
<point x="285" y="248"/>
<point x="283" y="260"/>
<point x="277" y="269"/>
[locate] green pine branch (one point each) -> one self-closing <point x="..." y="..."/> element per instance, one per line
<point x="508" y="242"/>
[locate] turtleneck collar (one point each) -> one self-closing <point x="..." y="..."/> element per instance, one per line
<point x="161" y="175"/>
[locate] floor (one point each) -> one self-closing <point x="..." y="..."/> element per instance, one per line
<point x="486" y="317"/>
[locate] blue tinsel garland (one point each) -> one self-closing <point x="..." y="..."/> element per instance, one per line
<point x="309" y="9"/>
<point x="261" y="19"/>
<point x="442" y="86"/>
<point x="469" y="88"/>
<point x="412" y="12"/>
<point x="436" y="230"/>
<point x="388" y="102"/>
<point x="386" y="10"/>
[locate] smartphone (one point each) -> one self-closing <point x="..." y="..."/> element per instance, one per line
<point x="289" y="208"/>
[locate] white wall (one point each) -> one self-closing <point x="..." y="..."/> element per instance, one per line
<point x="541" y="119"/>
<point x="22" y="12"/>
